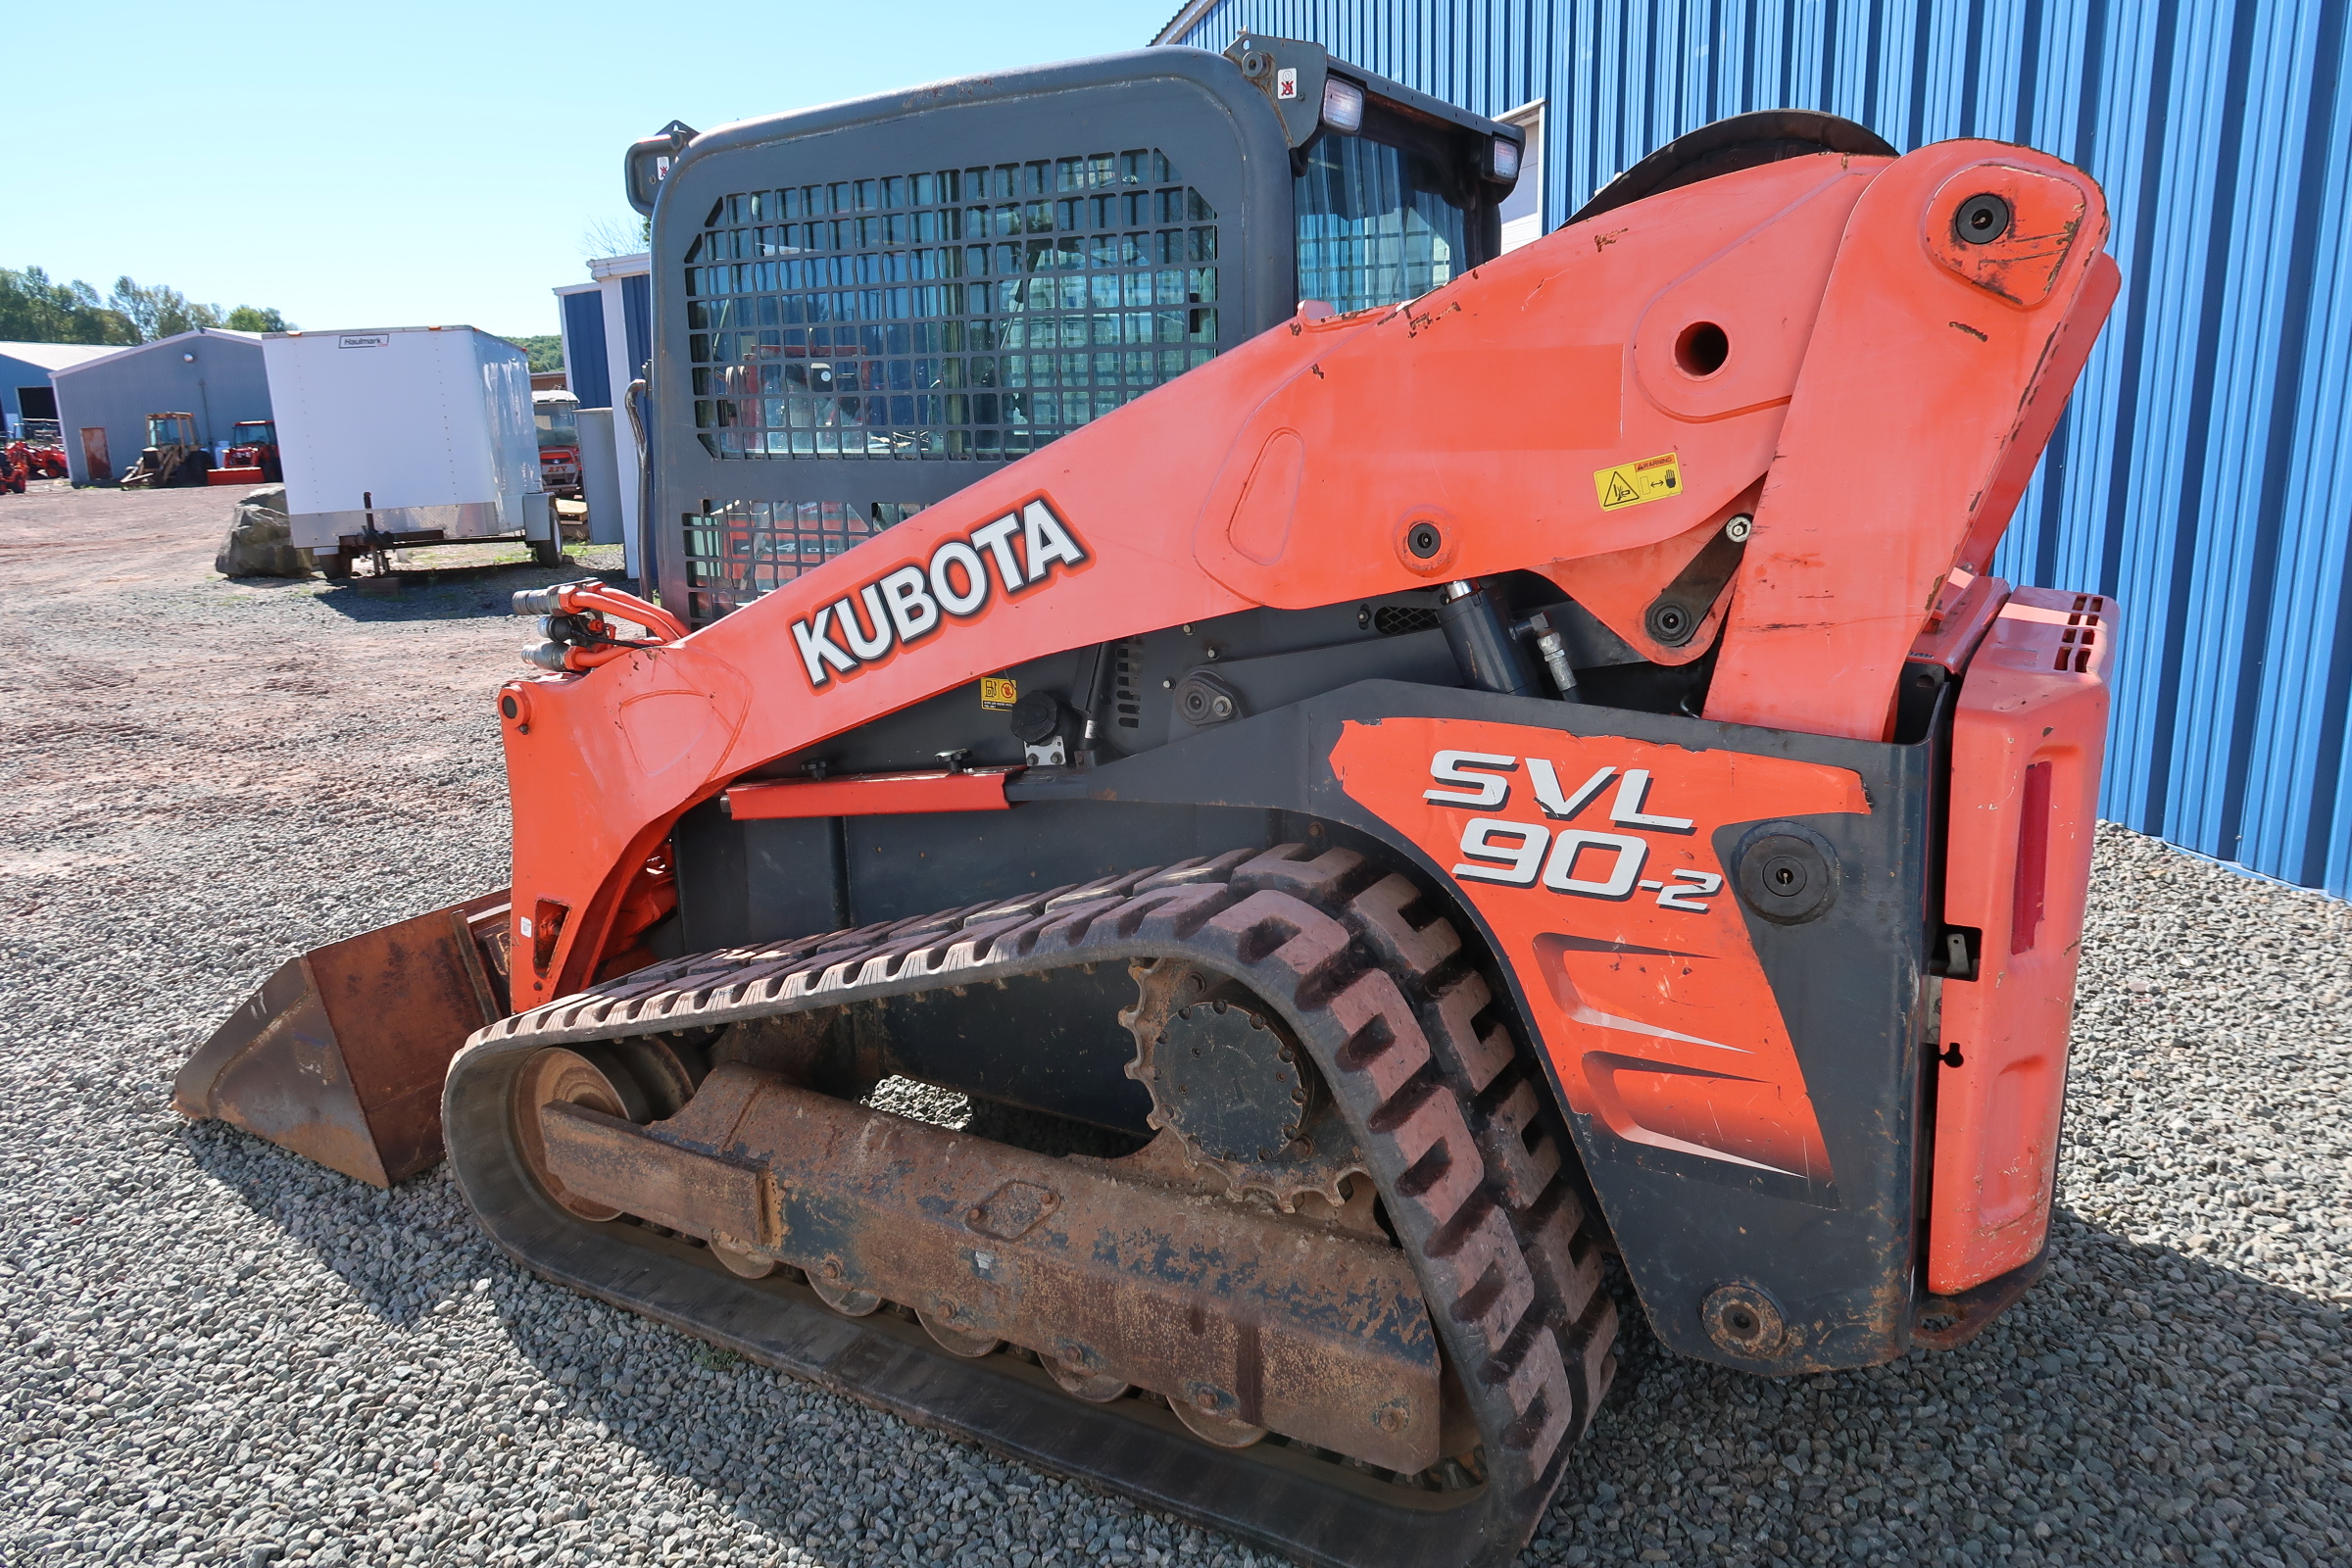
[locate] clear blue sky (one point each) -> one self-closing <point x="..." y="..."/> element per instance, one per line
<point x="361" y="165"/>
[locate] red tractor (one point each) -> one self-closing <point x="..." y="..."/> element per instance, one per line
<point x="253" y="444"/>
<point x="252" y="456"/>
<point x="22" y="462"/>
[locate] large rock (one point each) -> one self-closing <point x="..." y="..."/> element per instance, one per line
<point x="257" y="544"/>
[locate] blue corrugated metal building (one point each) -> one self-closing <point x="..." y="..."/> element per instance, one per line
<point x="2203" y="474"/>
<point x="607" y="327"/>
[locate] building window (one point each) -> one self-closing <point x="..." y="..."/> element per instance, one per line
<point x="958" y="314"/>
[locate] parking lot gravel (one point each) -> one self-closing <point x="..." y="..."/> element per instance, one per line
<point x="211" y="1351"/>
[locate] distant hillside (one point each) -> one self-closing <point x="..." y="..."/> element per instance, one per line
<point x="546" y="351"/>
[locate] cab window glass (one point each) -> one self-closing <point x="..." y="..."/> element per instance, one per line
<point x="1375" y="224"/>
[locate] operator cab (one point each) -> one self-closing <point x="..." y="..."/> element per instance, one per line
<point x="848" y="329"/>
<point x="557" y="417"/>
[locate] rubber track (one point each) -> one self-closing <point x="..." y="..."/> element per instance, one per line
<point x="1450" y="1113"/>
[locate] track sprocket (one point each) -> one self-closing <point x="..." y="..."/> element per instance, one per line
<point x="1234" y="1088"/>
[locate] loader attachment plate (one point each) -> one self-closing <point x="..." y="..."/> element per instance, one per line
<point x="339" y="1056"/>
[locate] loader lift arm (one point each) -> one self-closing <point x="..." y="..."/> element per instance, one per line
<point x="1296" y="470"/>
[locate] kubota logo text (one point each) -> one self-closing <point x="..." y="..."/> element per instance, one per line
<point x="1016" y="552"/>
<point x="1496" y="848"/>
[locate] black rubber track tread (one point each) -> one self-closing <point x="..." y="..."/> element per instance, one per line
<point x="1465" y="1151"/>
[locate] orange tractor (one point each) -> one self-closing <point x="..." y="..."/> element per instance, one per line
<point x="1427" y="804"/>
<point x="252" y="456"/>
<point x="28" y="459"/>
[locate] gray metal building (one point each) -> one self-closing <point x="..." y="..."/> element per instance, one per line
<point x="103" y="403"/>
<point x="25" y="369"/>
<point x="2203" y="473"/>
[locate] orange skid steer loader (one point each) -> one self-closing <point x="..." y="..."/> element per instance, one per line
<point x="1389" y="772"/>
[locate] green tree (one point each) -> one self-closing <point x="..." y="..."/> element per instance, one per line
<point x="257" y="318"/>
<point x="160" y="310"/>
<point x="34" y="310"/>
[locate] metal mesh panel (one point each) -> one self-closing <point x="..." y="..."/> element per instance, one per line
<point x="738" y="550"/>
<point x="972" y="312"/>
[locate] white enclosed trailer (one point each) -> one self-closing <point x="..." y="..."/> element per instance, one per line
<point x="407" y="435"/>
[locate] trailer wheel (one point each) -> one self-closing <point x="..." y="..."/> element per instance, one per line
<point x="547" y="551"/>
<point x="333" y="564"/>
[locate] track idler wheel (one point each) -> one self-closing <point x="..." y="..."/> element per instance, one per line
<point x="643" y="1080"/>
<point x="589" y="1076"/>
<point x="666" y="1075"/>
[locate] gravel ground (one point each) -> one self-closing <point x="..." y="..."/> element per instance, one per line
<point x="211" y="1351"/>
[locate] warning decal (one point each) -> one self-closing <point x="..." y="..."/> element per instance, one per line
<point x="1629" y="484"/>
<point x="999" y="692"/>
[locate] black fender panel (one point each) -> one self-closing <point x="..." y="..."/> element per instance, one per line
<point x="1836" y="1260"/>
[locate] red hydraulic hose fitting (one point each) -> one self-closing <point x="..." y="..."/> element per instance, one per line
<point x="567" y="659"/>
<point x="580" y="637"/>
<point x="572" y="598"/>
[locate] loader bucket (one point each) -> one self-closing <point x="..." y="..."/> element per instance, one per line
<point x="339" y="1056"/>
